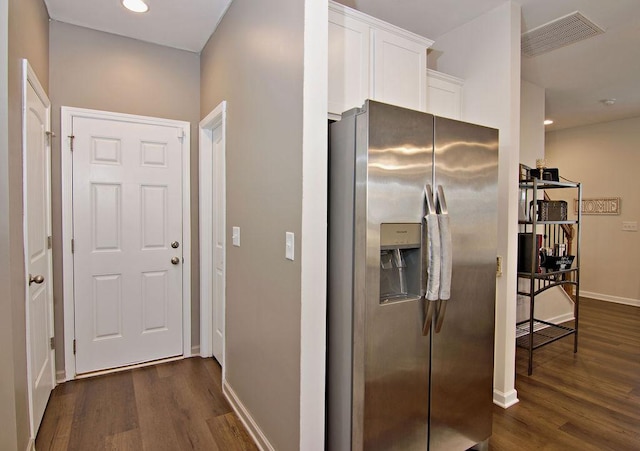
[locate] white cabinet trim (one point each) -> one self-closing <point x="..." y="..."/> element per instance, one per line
<point x="444" y="77"/>
<point x="379" y="24"/>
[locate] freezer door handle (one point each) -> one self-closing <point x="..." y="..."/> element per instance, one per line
<point x="446" y="256"/>
<point x="428" y="316"/>
<point x="432" y="274"/>
<point x="442" y="309"/>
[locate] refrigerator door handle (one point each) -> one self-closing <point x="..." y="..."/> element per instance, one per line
<point x="446" y="255"/>
<point x="433" y="259"/>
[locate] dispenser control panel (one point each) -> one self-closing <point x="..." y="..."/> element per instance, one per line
<point x="393" y="235"/>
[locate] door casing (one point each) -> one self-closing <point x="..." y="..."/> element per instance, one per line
<point x="208" y="221"/>
<point x="67" y="115"/>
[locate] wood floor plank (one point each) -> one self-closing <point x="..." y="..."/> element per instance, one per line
<point x="190" y="405"/>
<point x="230" y="434"/>
<point x="55" y="429"/>
<point x="156" y="427"/>
<point x="170" y="406"/>
<point x="94" y="414"/>
<point x="128" y="440"/>
<point x="589" y="400"/>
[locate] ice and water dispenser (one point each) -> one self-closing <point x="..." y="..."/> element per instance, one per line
<point x="400" y="262"/>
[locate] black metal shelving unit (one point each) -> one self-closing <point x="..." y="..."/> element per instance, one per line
<point x="534" y="333"/>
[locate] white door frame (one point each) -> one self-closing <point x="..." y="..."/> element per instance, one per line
<point x="29" y="78"/>
<point x="67" y="115"/>
<point x="208" y="218"/>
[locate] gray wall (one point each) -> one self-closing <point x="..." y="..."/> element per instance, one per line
<point x="7" y="392"/>
<point x="27" y="28"/>
<point x="604" y="157"/>
<point x="254" y="61"/>
<point x="102" y="71"/>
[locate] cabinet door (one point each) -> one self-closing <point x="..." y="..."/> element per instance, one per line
<point x="348" y="62"/>
<point x="399" y="70"/>
<point x="444" y="95"/>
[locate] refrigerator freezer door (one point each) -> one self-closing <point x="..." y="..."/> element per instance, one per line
<point x="394" y="165"/>
<point x="466" y="165"/>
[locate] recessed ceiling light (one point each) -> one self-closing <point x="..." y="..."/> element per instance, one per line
<point x="548" y="122"/>
<point x="137" y="6"/>
<point x="608" y="102"/>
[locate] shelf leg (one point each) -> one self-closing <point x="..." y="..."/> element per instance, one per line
<point x="530" y="369"/>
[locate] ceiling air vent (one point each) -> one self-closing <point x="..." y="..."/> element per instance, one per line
<point x="558" y="33"/>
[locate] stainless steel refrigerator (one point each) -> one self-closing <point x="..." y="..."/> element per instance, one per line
<point x="412" y="267"/>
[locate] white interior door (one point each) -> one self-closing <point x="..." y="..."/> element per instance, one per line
<point x="219" y="242"/>
<point x="37" y="229"/>
<point x="127" y="229"/>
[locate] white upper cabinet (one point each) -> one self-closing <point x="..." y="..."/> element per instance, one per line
<point x="348" y="62"/>
<point x="369" y="58"/>
<point x="444" y="94"/>
<point x="399" y="70"/>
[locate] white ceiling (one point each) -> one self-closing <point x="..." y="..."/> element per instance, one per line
<point x="183" y="24"/>
<point x="575" y="77"/>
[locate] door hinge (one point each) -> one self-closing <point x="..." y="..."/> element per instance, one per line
<point x="180" y="134"/>
<point x="74" y="346"/>
<point x="49" y="242"/>
<point x="52" y="344"/>
<point x="73" y="246"/>
<point x="71" y="138"/>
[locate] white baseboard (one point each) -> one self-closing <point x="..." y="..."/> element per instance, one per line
<point x="195" y="350"/>
<point x="61" y="376"/>
<point x="31" y="446"/>
<point x="609" y="298"/>
<point x="505" y="400"/>
<point x="561" y="318"/>
<point x="246" y="418"/>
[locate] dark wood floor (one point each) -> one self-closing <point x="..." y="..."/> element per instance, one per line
<point x="584" y="401"/>
<point x="172" y="406"/>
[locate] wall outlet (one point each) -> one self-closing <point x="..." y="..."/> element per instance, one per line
<point x="630" y="226"/>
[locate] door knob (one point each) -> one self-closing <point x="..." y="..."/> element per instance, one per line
<point x="175" y="244"/>
<point x="37" y="279"/>
<point x="175" y="260"/>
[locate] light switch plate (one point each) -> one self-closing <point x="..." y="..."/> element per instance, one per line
<point x="630" y="226"/>
<point x="235" y="236"/>
<point x="289" y="246"/>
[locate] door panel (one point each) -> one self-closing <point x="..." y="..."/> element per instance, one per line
<point x="37" y="253"/>
<point x="155" y="301"/>
<point x="466" y="161"/>
<point x="396" y="354"/>
<point x="106" y="201"/>
<point x="127" y="209"/>
<point x="400" y="69"/>
<point x="219" y="231"/>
